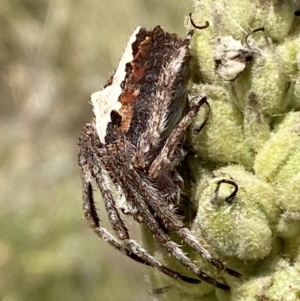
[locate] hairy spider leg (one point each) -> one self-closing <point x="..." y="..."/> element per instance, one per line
<point x="176" y="138"/>
<point x="157" y="168"/>
<point x="128" y="246"/>
<point x="171" y="246"/>
<point x="167" y="220"/>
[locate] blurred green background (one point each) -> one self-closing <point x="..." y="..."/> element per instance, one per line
<point x="53" y="55"/>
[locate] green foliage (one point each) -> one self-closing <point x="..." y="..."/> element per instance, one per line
<point x="252" y="138"/>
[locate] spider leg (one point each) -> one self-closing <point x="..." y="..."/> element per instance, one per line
<point x="192" y="241"/>
<point x="172" y="222"/>
<point x="127" y="246"/>
<point x="172" y="247"/>
<point x="176" y="137"/>
<point x="169" y="219"/>
<point x="156" y="206"/>
<point x="141" y="255"/>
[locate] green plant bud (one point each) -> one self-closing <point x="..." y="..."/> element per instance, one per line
<point x="222" y="139"/>
<point x="279" y="290"/>
<point x="278" y="148"/>
<point x="222" y="26"/>
<point x="271" y="262"/>
<point x="227" y="17"/>
<point x="288" y="179"/>
<point x="237" y="227"/>
<point x="236" y="17"/>
<point x="291" y="166"/>
<point x="256" y="125"/>
<point x="288" y="225"/>
<point x="250" y="289"/>
<point x="283" y="285"/>
<point x="271" y="287"/>
<point x="265" y="80"/>
<point x="262" y="192"/>
<point x="294" y="94"/>
<point x="269" y="83"/>
<point x="292" y="247"/>
<point x="276" y="17"/>
<point x="201" y="49"/>
<point x="287" y="53"/>
<point x="246" y="268"/>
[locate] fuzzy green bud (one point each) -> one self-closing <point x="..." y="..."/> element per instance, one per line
<point x="279" y="148"/>
<point x="271" y="286"/>
<point x="237" y="227"/>
<point x="222" y="139"/>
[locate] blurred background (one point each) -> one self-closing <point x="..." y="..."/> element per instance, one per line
<point x="53" y="55"/>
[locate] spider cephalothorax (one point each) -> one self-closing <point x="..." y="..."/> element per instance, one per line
<point x="133" y="147"/>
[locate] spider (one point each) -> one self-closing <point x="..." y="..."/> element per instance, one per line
<point x="133" y="147"/>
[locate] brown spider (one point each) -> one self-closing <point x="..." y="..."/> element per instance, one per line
<point x="133" y="147"/>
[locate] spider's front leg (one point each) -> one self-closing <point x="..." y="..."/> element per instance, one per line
<point x="177" y="136"/>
